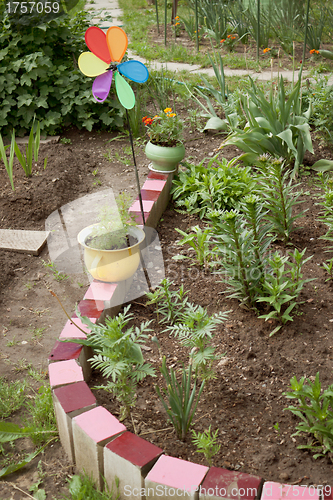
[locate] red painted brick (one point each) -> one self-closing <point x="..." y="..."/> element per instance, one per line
<point x="136" y="450"/>
<point x="65" y="350"/>
<point x="230" y="484"/>
<point x="90" y="308"/>
<point x="75" y="396"/>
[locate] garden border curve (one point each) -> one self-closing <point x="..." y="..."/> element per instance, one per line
<point x="97" y="443"/>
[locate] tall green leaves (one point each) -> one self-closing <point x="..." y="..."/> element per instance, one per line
<point x="276" y="126"/>
<point x="8" y="164"/>
<point x="179" y="401"/>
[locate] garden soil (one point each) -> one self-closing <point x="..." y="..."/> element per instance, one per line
<point x="246" y="399"/>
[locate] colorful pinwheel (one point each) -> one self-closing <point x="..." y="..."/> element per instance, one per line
<point x="104" y="61"/>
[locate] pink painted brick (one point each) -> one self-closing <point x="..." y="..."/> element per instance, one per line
<point x="63" y="351"/>
<point x="147" y="206"/>
<point x="90" y="308"/>
<point x="276" y="491"/>
<point x="65" y="372"/>
<point x="99" y="424"/>
<point x="70" y="330"/>
<point x="99" y="290"/>
<point x="92" y="430"/>
<point x="138" y="217"/>
<point x="154" y="185"/>
<point x="150" y="195"/>
<point x="225" y="484"/>
<point x="176" y="473"/>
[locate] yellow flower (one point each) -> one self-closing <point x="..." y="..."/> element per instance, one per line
<point x="266" y="50"/>
<point x="167" y="110"/>
<point x="171" y="115"/>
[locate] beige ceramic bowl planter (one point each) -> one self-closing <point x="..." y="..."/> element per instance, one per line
<point x="112" y="265"/>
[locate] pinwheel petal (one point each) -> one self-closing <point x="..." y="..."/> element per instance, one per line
<point x="96" y="43"/>
<point x="91" y="65"/>
<point x="117" y="42"/>
<point x="125" y="93"/>
<point x="101" y="86"/>
<point x="134" y="70"/>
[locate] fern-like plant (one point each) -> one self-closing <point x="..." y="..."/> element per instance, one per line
<point x="195" y="330"/>
<point x="118" y="354"/>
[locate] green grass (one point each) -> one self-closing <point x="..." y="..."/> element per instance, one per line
<point x="41" y="415"/>
<point x="12" y="396"/>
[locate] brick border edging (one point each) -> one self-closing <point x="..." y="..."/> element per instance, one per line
<point x="99" y="444"/>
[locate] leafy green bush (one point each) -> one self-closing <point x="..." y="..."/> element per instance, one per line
<point x="118" y="354"/>
<point x="202" y="188"/>
<point x="39" y="77"/>
<point x="315" y="410"/>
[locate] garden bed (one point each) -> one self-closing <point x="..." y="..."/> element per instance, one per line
<point x="245" y="401"/>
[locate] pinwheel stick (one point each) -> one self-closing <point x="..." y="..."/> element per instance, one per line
<point x="136" y="169"/>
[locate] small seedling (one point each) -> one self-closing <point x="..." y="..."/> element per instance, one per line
<point x="13" y="342"/>
<point x="29" y="285"/>
<point x="36" y="334"/>
<point x="277" y="427"/>
<point x="95" y="172"/>
<point x="57" y="275"/>
<point x="22" y="365"/>
<point x="206" y="443"/>
<point x="65" y="140"/>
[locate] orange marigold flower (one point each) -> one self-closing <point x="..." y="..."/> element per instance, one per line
<point x="177" y="24"/>
<point x="177" y="17"/>
<point x="314" y="51"/>
<point x="223" y="40"/>
<point x="144" y="118"/>
<point x="171" y="115"/>
<point x="167" y="110"/>
<point x="267" y="49"/>
<point x="229" y="36"/>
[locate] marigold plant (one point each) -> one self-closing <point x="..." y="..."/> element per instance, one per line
<point x="165" y="129"/>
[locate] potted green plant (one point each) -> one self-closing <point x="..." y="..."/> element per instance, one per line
<point x="165" y="148"/>
<point x="112" y="246"/>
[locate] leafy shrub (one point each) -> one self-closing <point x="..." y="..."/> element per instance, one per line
<point x="315" y="409"/>
<point x="321" y="97"/>
<point x="118" y="354"/>
<point x="253" y="276"/>
<point x="200" y="189"/>
<point x="39" y="77"/>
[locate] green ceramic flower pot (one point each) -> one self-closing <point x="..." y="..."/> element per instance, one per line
<point x="164" y="159"/>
